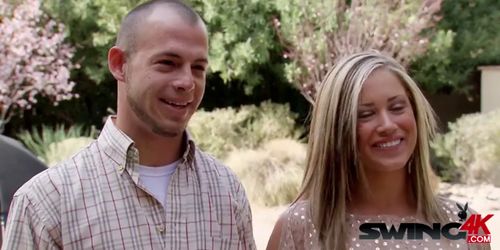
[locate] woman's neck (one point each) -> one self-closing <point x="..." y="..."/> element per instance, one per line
<point x="388" y="193"/>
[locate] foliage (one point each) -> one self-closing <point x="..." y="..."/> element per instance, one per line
<point x="242" y="40"/>
<point x="92" y="28"/>
<point x="34" y="59"/>
<point x="223" y="130"/>
<point x="272" y="173"/>
<point x="316" y="33"/>
<point x="467" y="37"/>
<point x="242" y="54"/>
<point x="472" y="148"/>
<point x="62" y="150"/>
<point x="39" y="141"/>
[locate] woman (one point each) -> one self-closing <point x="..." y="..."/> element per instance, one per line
<point x="368" y="161"/>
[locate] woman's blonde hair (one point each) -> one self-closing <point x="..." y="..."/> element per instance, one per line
<point x="333" y="168"/>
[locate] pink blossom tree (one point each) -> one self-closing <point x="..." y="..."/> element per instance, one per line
<point x="316" y="33"/>
<point x="34" y="59"/>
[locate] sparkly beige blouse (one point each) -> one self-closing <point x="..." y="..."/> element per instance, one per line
<point x="298" y="231"/>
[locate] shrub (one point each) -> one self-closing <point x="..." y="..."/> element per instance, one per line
<point x="271" y="174"/>
<point x="472" y="148"/>
<point x="39" y="141"/>
<point x="223" y="130"/>
<point x="58" y="151"/>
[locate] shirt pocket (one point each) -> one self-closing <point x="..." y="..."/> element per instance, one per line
<point x="193" y="232"/>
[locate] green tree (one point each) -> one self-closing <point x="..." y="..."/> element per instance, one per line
<point x="241" y="37"/>
<point x="242" y="41"/>
<point x="92" y="26"/>
<point x="467" y="37"/>
<point x="245" y="57"/>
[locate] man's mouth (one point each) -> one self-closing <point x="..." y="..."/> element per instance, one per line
<point x="175" y="104"/>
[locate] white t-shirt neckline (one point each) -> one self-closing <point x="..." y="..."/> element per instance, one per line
<point x="157" y="179"/>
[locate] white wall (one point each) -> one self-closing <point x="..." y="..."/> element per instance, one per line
<point x="490" y="88"/>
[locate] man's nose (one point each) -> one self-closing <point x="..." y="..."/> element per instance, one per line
<point x="184" y="80"/>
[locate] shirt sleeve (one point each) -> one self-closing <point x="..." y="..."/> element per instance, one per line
<point x="25" y="229"/>
<point x="244" y="219"/>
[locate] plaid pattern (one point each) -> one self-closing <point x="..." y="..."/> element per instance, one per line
<point x="94" y="201"/>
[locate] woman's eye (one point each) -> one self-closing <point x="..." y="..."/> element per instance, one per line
<point x="365" y="114"/>
<point x="398" y="108"/>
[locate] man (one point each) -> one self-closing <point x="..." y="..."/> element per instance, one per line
<point x="143" y="184"/>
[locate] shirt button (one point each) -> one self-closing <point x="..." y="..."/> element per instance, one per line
<point x="121" y="168"/>
<point x="160" y="229"/>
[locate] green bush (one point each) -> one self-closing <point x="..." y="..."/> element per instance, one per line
<point x="271" y="174"/>
<point x="471" y="149"/>
<point x="64" y="149"/>
<point x="39" y="141"/>
<point x="223" y="130"/>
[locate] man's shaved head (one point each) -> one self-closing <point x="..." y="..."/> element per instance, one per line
<point x="134" y="20"/>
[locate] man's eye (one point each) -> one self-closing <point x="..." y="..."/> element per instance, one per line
<point x="199" y="68"/>
<point x="167" y="62"/>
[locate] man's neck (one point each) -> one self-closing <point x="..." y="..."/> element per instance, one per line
<point x="389" y="193"/>
<point x="154" y="149"/>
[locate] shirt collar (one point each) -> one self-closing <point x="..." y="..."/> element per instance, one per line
<point x="120" y="147"/>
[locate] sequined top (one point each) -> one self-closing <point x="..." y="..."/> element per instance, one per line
<point x="299" y="232"/>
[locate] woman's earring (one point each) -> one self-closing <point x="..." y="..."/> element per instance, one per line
<point x="410" y="161"/>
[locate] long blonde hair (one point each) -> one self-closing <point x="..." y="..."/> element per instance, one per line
<point x="333" y="168"/>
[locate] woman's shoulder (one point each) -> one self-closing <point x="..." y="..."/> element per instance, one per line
<point x="454" y="210"/>
<point x="297" y="216"/>
<point x="296" y="228"/>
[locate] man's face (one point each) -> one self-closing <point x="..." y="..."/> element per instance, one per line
<point x="165" y="75"/>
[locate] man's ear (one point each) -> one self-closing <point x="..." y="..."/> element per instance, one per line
<point x="116" y="63"/>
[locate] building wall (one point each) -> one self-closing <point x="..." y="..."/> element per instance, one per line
<point x="490" y="88"/>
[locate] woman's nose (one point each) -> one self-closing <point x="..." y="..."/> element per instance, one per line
<point x="386" y="123"/>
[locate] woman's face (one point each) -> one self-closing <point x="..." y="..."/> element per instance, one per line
<point x="386" y="127"/>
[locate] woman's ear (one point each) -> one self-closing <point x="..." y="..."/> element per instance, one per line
<point x="116" y="63"/>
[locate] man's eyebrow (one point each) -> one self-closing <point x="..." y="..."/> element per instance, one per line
<point x="172" y="54"/>
<point x="202" y="60"/>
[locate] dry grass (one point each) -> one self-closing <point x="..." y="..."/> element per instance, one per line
<point x="59" y="151"/>
<point x="271" y="174"/>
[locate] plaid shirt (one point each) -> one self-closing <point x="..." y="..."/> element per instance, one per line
<point x="95" y="201"/>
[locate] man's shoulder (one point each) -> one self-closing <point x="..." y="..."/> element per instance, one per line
<point x="208" y="162"/>
<point x="41" y="187"/>
<point x="52" y="179"/>
<point x="216" y="172"/>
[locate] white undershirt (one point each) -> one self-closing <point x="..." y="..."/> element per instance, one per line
<point x="156" y="180"/>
